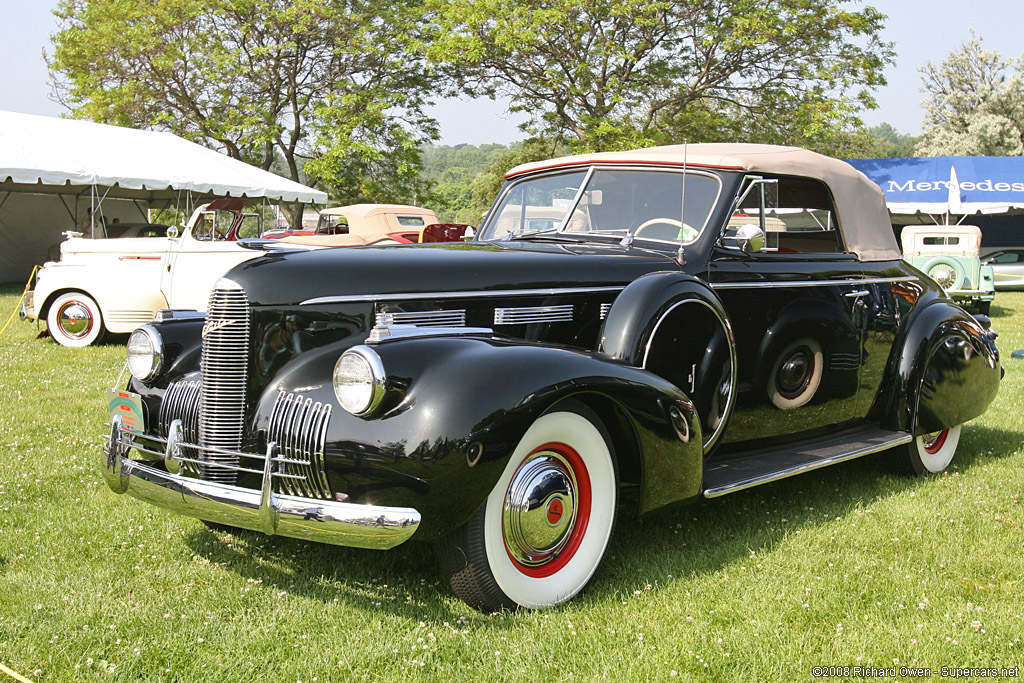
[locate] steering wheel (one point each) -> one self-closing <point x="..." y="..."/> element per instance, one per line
<point x="688" y="232"/>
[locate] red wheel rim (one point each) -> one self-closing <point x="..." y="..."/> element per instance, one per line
<point x="583" y="504"/>
<point x="933" y="446"/>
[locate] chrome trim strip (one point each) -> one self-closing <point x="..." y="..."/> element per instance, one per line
<point x="812" y="283"/>
<point x="419" y="296"/>
<point x="322" y="521"/>
<point x="808" y="467"/>
<point x="387" y="333"/>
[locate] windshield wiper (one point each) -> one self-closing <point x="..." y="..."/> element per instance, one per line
<point x="530" y="235"/>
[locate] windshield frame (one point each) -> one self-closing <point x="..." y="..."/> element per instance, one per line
<point x="591" y="170"/>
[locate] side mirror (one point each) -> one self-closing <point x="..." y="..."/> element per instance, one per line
<point x="172" y="232"/>
<point x="749" y="238"/>
<point x="469" y="234"/>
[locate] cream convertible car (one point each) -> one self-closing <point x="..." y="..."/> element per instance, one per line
<point x="115" y="285"/>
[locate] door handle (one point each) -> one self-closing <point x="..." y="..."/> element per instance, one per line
<point x="857" y="294"/>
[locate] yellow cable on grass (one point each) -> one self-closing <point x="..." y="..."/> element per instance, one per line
<point x="12" y="674"/>
<point x="28" y="286"/>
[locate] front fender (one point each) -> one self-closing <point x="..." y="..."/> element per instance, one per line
<point x="457" y="406"/>
<point x="633" y="318"/>
<point x="947" y="372"/>
<point x="127" y="296"/>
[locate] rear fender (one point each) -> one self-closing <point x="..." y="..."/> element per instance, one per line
<point x="948" y="370"/>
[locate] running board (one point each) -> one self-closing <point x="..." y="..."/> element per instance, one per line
<point x="771" y="464"/>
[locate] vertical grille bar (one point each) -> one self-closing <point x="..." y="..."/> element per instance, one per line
<point x="224" y="367"/>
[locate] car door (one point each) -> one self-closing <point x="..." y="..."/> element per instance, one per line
<point x="199" y="257"/>
<point x="797" y="305"/>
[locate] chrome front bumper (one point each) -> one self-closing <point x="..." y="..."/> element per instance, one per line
<point x="28" y="307"/>
<point x="322" y="521"/>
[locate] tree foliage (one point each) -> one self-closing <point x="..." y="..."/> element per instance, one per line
<point x="271" y="82"/>
<point x="975" y="104"/>
<point x="603" y="74"/>
<point x="453" y="172"/>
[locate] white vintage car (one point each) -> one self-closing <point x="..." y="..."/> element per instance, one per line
<point x="115" y="285"/>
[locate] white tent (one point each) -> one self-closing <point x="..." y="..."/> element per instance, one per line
<point x="52" y="170"/>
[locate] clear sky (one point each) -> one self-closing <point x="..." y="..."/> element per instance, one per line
<point x="923" y="30"/>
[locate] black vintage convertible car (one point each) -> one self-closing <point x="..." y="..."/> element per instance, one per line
<point x="670" y="322"/>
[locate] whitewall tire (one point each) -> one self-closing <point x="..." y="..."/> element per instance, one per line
<point x="796" y="374"/>
<point x="932" y="453"/>
<point x="541" y="534"/>
<point x="74" y="319"/>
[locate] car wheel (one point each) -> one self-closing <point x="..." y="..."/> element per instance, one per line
<point x="931" y="453"/>
<point x="542" y="532"/>
<point x="74" y="319"/>
<point x="796" y="374"/>
<point x="946" y="271"/>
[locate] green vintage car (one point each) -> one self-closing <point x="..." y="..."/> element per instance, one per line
<point x="949" y="254"/>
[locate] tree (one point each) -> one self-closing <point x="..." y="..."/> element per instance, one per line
<point x="602" y="74"/>
<point x="275" y="83"/>
<point x="975" y="104"/>
<point x="889" y="142"/>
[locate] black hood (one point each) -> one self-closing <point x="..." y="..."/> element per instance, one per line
<point x="282" y="279"/>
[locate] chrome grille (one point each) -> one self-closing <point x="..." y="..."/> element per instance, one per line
<point x="449" y="318"/>
<point x="604" y="310"/>
<point x="532" y="314"/>
<point x="224" y="367"/>
<point x="181" y="402"/>
<point x="299" y="428"/>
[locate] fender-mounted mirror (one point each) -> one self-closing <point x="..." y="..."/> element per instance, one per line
<point x="749" y="238"/>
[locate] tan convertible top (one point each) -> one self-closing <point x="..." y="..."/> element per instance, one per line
<point x="863" y="217"/>
<point x="367" y="224"/>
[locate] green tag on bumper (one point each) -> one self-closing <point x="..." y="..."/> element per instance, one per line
<point x="129" y="406"/>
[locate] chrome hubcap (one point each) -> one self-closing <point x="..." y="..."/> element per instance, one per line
<point x="75" y="320"/>
<point x="540" y="508"/>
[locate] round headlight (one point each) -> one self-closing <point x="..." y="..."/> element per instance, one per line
<point x="145" y="353"/>
<point x="359" y="380"/>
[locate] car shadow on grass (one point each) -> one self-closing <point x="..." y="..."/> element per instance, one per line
<point x="693" y="538"/>
<point x="405" y="581"/>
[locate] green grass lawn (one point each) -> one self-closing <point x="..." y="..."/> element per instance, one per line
<point x="848" y="566"/>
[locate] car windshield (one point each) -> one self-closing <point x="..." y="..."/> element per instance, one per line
<point x="641" y="202"/>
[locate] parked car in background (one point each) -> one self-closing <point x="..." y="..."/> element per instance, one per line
<point x="117" y="230"/>
<point x="116" y="284"/>
<point x="628" y="330"/>
<point x="360" y="224"/>
<point x="1007" y="268"/>
<point x="949" y="254"/>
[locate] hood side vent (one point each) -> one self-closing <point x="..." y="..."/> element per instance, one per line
<point x="449" y="318"/>
<point x="523" y="315"/>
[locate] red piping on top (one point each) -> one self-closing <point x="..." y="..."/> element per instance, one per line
<point x="619" y="162"/>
